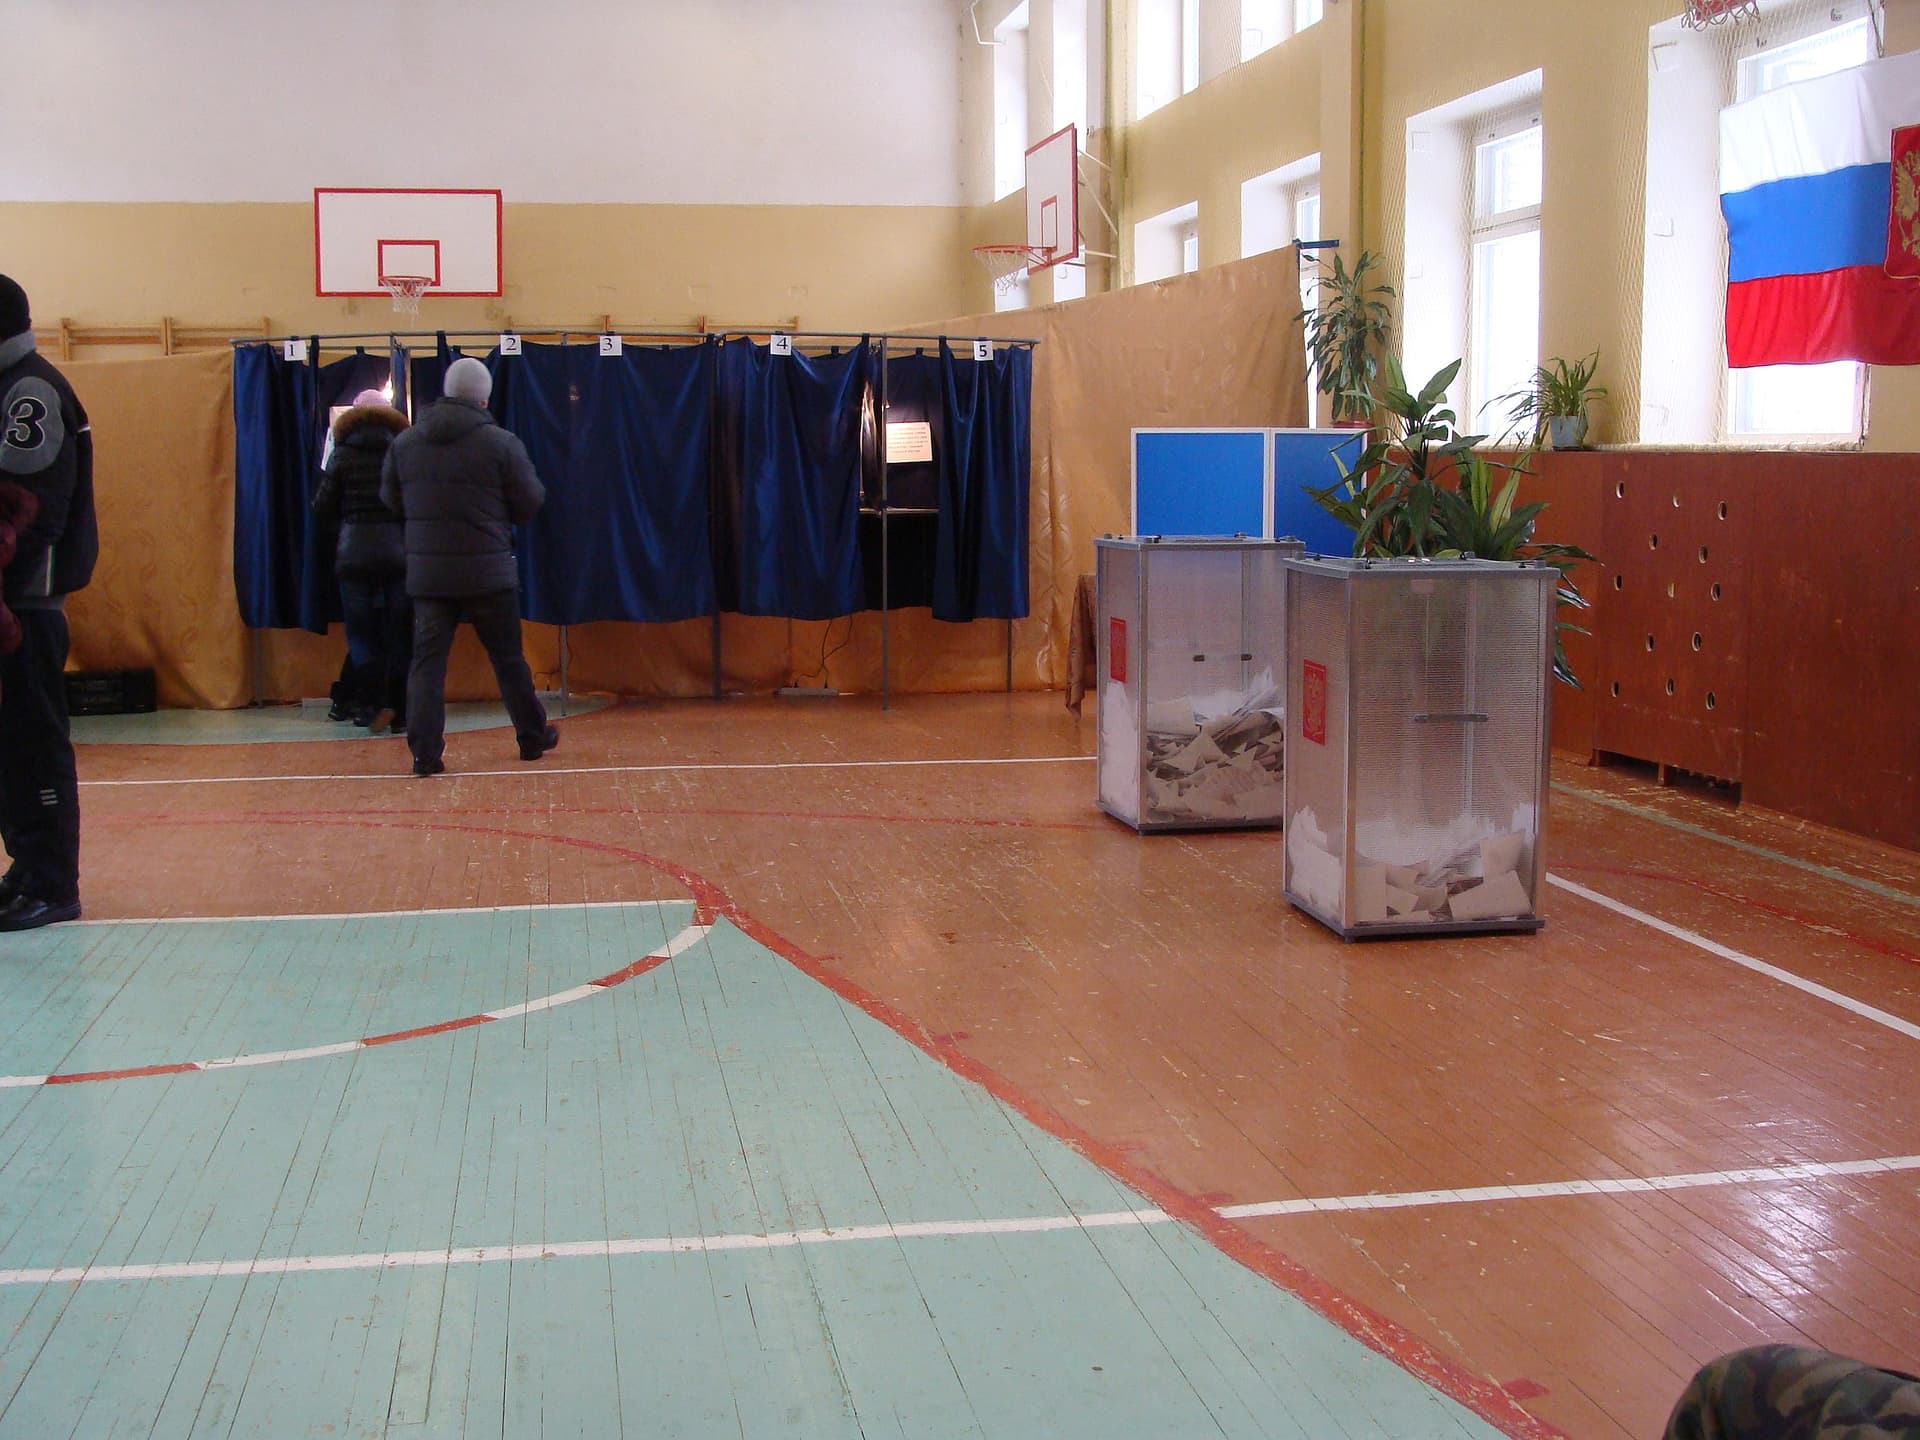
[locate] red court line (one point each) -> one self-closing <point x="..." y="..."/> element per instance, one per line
<point x="82" y="1077"/>
<point x="394" y="1037"/>
<point x="1378" y="1332"/>
<point x="1778" y="912"/>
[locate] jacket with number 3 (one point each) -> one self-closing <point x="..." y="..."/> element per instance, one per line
<point x="46" y="448"/>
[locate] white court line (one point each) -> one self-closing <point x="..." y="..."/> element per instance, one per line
<point x="538" y="772"/>
<point x="1727" y="952"/>
<point x="387" y="914"/>
<point x="921" y="1230"/>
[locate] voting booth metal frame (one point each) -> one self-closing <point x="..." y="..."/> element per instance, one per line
<point x="1124" y="572"/>
<point x="1432" y="712"/>
<point x="348" y="341"/>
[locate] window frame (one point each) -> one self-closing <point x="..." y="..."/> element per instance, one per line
<point x="1486" y="227"/>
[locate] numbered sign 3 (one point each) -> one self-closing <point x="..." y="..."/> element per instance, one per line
<point x="609" y="344"/>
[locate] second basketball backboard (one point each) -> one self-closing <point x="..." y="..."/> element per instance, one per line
<point x="1053" y="198"/>
<point x="448" y="238"/>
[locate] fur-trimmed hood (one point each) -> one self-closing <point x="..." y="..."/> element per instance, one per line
<point x="362" y="417"/>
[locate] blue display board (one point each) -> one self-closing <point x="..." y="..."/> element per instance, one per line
<point x="1199" y="482"/>
<point x="1303" y="458"/>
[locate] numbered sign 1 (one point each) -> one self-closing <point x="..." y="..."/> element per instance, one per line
<point x="983" y="349"/>
<point x="295" y="350"/>
<point x="609" y="344"/>
<point x="509" y="344"/>
<point x="780" y="344"/>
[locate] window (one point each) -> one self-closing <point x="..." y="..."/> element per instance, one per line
<point x="1271" y="207"/>
<point x="1800" y="400"/>
<point x="1307" y="12"/>
<point x="1503" y="323"/>
<point x="1015" y="296"/>
<point x="1167" y="244"/>
<point x="1306" y="226"/>
<point x="1069" y="281"/>
<point x="1189" y="46"/>
<point x="1261" y="26"/>
<point x="1160" y="66"/>
<point x="1010" y="104"/>
<point x="1069" y="68"/>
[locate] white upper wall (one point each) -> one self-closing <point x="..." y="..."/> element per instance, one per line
<point x="752" y="102"/>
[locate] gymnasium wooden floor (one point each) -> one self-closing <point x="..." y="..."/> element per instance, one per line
<point x="791" y="1068"/>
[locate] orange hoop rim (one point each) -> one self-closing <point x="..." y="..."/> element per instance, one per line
<point x="406" y="291"/>
<point x="1007" y="263"/>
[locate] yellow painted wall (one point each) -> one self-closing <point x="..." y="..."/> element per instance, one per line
<point x="828" y="267"/>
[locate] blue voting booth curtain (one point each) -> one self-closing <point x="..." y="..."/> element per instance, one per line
<point x="622" y="443"/>
<point x="980" y="568"/>
<point x="273" y="469"/>
<point x="786" y="481"/>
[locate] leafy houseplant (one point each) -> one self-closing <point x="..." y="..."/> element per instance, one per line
<point x="1420" y="489"/>
<point x="1557" y="399"/>
<point x="1347" y="333"/>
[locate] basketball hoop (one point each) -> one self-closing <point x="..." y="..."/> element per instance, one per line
<point x="1703" y="13"/>
<point x="406" y="291"/>
<point x="1007" y="263"/>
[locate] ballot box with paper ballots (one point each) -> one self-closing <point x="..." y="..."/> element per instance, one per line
<point x="1417" y="743"/>
<point x="1191" y="662"/>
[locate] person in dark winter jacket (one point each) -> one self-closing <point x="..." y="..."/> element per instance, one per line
<point x="46" y="449"/>
<point x="370" y="560"/>
<point x="17" y="509"/>
<point x="462" y="483"/>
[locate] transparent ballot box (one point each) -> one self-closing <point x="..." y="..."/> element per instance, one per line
<point x="1191" y="664"/>
<point x="1417" y="741"/>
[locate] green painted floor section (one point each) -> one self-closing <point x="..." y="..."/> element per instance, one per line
<point x="285" y="724"/>
<point x="722" y="1093"/>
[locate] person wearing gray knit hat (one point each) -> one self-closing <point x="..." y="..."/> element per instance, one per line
<point x="461" y="483"/>
<point x="46" y="449"/>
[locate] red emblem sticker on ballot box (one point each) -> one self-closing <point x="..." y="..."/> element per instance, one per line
<point x="1117" y="649"/>
<point x="1313" y="703"/>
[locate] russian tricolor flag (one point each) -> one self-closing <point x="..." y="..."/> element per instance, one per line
<point x="1820" y="186"/>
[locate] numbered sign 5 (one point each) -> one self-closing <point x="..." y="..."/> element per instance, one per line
<point x="609" y="344"/>
<point x="780" y="344"/>
<point x="510" y="344"/>
<point x="983" y="349"/>
<point x="295" y="350"/>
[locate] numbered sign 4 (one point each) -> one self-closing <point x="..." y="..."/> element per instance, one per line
<point x="780" y="344"/>
<point x="983" y="349"/>
<point x="609" y="344"/>
<point x="510" y="344"/>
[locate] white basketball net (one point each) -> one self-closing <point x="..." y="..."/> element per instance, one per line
<point x="1702" y="13"/>
<point x="406" y="291"/>
<point x="1007" y="263"/>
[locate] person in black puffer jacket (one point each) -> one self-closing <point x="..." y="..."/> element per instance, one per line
<point x="370" y="560"/>
<point x="462" y="483"/>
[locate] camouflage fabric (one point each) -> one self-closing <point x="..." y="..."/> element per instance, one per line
<point x="1786" y="1392"/>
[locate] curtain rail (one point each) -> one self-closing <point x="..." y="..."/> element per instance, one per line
<point x="567" y="332"/>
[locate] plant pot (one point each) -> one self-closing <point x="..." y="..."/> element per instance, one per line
<point x="1567" y="432"/>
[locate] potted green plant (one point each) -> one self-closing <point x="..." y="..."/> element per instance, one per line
<point x="1557" y="400"/>
<point x="1419" y="489"/>
<point x="1347" y="332"/>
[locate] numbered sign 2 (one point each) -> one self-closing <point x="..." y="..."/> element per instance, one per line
<point x="295" y="350"/>
<point x="510" y="344"/>
<point x="780" y="344"/>
<point x="983" y="349"/>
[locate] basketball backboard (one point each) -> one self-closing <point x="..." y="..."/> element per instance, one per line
<point x="1053" y="198"/>
<point x="450" y="238"/>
